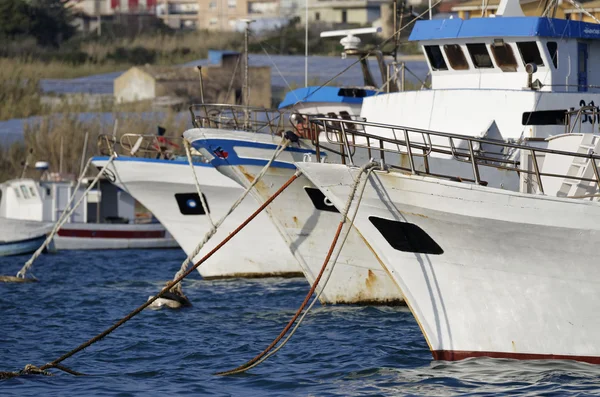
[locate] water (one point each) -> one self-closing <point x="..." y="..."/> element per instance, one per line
<point x="339" y="350"/>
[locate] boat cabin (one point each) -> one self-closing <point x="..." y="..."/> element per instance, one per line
<point x="505" y="77"/>
<point x="45" y="201"/>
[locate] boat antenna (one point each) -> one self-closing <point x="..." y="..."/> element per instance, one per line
<point x="26" y="163"/>
<point x="306" y="43"/>
<point x="83" y="152"/>
<point x="201" y="84"/>
<point x="246" y="82"/>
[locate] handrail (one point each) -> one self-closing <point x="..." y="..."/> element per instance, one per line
<point x="473" y="153"/>
<point x="254" y="119"/>
<point x="142" y="145"/>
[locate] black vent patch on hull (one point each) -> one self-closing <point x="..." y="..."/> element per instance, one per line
<point x="406" y="237"/>
<point x="319" y="200"/>
<point x="190" y="204"/>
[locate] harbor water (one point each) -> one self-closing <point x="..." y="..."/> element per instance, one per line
<point x="338" y="350"/>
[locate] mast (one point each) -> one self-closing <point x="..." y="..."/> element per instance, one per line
<point x="305" y="43"/>
<point x="246" y="82"/>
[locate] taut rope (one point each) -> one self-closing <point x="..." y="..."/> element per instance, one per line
<point x="368" y="168"/>
<point x="167" y="288"/>
<point x="280" y="148"/>
<point x="66" y="214"/>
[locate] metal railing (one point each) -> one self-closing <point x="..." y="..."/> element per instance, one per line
<point x="238" y="117"/>
<point x="416" y="143"/>
<point x="139" y="145"/>
<point x="575" y="118"/>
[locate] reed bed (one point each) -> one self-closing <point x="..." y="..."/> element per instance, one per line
<point x="44" y="137"/>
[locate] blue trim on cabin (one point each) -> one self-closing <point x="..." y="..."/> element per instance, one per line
<point x="500" y="27"/>
<point x="231" y="158"/>
<point x="147" y="160"/>
<point x="315" y="94"/>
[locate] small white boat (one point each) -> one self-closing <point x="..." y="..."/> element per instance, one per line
<point x="107" y="218"/>
<point x="21" y="237"/>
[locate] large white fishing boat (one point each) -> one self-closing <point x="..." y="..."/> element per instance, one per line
<point x="302" y="215"/>
<point x="166" y="186"/>
<point x="486" y="268"/>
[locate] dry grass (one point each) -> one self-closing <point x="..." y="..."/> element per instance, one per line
<point x="43" y="138"/>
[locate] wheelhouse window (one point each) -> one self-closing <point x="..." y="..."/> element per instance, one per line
<point x="530" y="53"/>
<point x="456" y="57"/>
<point x="436" y="59"/>
<point x="24" y="191"/>
<point x="553" y="50"/>
<point x="480" y="56"/>
<point x="504" y="57"/>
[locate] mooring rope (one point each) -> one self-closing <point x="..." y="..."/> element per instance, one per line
<point x="167" y="288"/>
<point x="188" y="153"/>
<point x="264" y="355"/>
<point x="280" y="148"/>
<point x="66" y="214"/>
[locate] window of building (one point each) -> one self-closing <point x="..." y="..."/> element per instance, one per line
<point x="436" y="59"/>
<point x="213" y="21"/>
<point x="317" y="16"/>
<point x="553" y="50"/>
<point x="480" y="55"/>
<point x="504" y="57"/>
<point x="530" y="53"/>
<point x="212" y="5"/>
<point x="456" y="57"/>
<point x="344" y="16"/>
<point x="232" y="3"/>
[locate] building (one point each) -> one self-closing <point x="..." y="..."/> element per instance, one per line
<point x="225" y="15"/>
<point x="89" y="13"/>
<point x="474" y="9"/>
<point x="222" y="82"/>
<point x="178" y="14"/>
<point x="344" y="12"/>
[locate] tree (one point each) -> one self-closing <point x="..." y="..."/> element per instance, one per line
<point x="14" y="18"/>
<point x="49" y="21"/>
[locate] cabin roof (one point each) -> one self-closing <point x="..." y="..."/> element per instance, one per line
<point x="325" y="94"/>
<point x="499" y="27"/>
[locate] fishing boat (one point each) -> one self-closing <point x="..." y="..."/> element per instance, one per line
<point x="108" y="218"/>
<point x="159" y="176"/>
<point x="490" y="270"/>
<point x="239" y="141"/>
<point x="21" y="237"/>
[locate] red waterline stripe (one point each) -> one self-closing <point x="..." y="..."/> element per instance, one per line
<point x="456" y="355"/>
<point x="88" y="233"/>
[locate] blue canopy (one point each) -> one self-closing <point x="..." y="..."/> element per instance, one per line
<point x="315" y="94"/>
<point x="500" y="27"/>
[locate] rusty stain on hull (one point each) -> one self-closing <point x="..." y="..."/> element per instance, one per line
<point x="257" y="275"/>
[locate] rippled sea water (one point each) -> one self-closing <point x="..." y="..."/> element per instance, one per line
<point x="339" y="350"/>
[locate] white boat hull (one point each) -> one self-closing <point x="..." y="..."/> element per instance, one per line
<point x="83" y="236"/>
<point x="358" y="277"/>
<point x="256" y="252"/>
<point x="21" y="236"/>
<point x="518" y="276"/>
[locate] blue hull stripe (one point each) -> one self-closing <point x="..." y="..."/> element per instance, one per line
<point x="227" y="145"/>
<point x="147" y="160"/>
